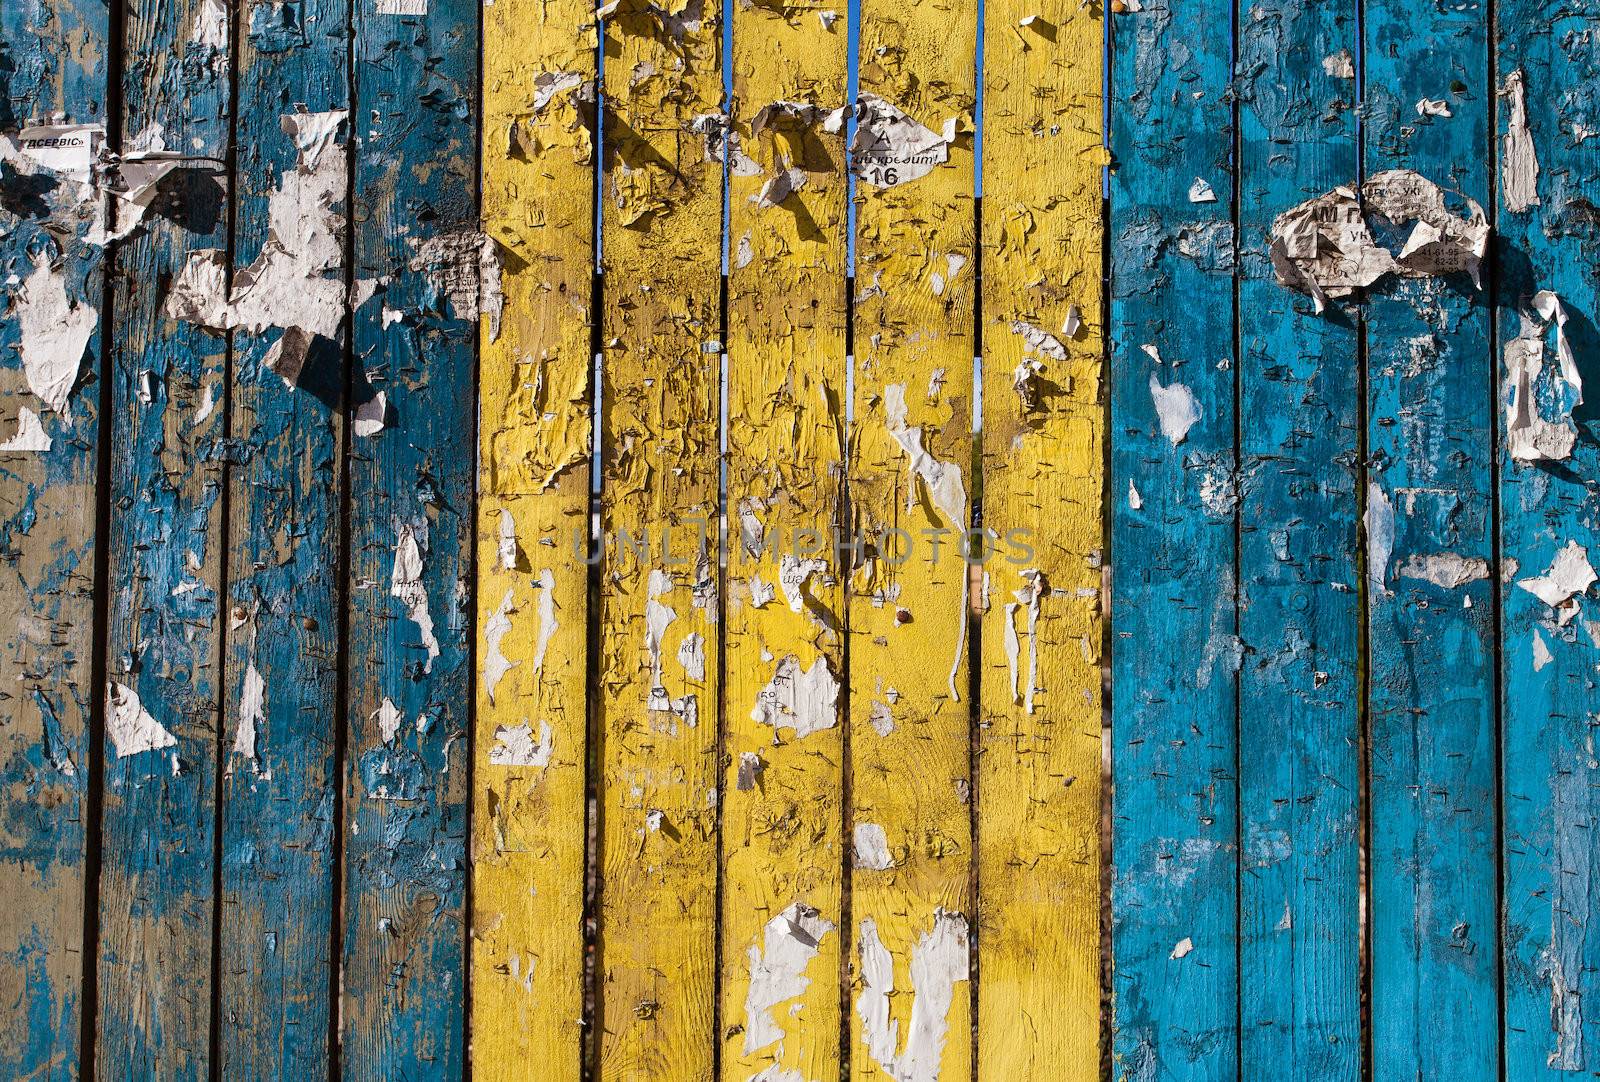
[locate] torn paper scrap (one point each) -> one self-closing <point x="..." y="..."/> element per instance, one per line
<point x="69" y="150"/>
<point x="1177" y="409"/>
<point x="890" y="148"/>
<point x="371" y="416"/>
<point x="129" y="724"/>
<point x="778" y="971"/>
<point x="515" y="746"/>
<point x="1539" y="402"/>
<point x="1340" y="65"/>
<point x="548" y="624"/>
<point x="804" y="700"/>
<point x="723" y="144"/>
<point x="53" y="334"/>
<point x="252" y="712"/>
<point x="30" y="435"/>
<point x="405" y="583"/>
<point x="1378" y="522"/>
<point x="1201" y="192"/>
<point x="1445" y="569"/>
<point x="464" y="268"/>
<point x="938" y="961"/>
<point x="871" y="846"/>
<point x="1568" y="576"/>
<point x="1325" y="247"/>
<point x="495" y="630"/>
<point x="1519" y="165"/>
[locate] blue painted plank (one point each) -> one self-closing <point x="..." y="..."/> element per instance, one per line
<point x="47" y="549"/>
<point x="1430" y="625"/>
<point x="1549" y="833"/>
<point x="1300" y="602"/>
<point x="166" y="554"/>
<point x="1174" y="646"/>
<point x="411" y="493"/>
<point x="278" y="874"/>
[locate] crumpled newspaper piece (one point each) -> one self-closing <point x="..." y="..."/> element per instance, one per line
<point x="1325" y="246"/>
<point x="1539" y="407"/>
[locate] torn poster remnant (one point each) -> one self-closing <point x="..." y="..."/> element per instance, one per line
<point x="937" y="961"/>
<point x="1519" y="165"/>
<point x="30" y="434"/>
<point x="890" y="148"/>
<point x="1569" y="576"/>
<point x="464" y="268"/>
<point x="296" y="283"/>
<point x="129" y="724"/>
<point x="405" y="583"/>
<point x="495" y="630"/>
<point x="1325" y="246"/>
<point x="1177" y="409"/>
<point x="778" y="971"/>
<point x="1539" y="408"/>
<point x="804" y="700"/>
<point x="871" y="844"/>
<point x="53" y="334"/>
<point x="1378" y="523"/>
<point x="252" y="713"/>
<point x="515" y="746"/>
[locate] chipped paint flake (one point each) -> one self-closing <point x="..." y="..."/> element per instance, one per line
<point x="389" y="720"/>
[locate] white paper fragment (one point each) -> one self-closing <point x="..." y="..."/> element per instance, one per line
<point x="761" y="592"/>
<point x="1177" y="409"/>
<point x="1135" y="501"/>
<point x="389" y="719"/>
<point x="1519" y="165"/>
<point x="1378" y="522"/>
<point x="1028" y="598"/>
<point x="890" y="148"/>
<point x="495" y="630"/>
<point x="1541" y="652"/>
<point x="723" y="145"/>
<point x="804" y="700"/>
<point x="296" y="283"/>
<point x="778" y="971"/>
<point x="945" y="487"/>
<point x="1445" y="569"/>
<point x="371" y="416"/>
<point x="210" y="27"/>
<point x="1201" y="192"/>
<point x="882" y="718"/>
<point x="1531" y="435"/>
<point x="548" y="624"/>
<point x="793" y="574"/>
<point x="402" y="7"/>
<point x="252" y="713"/>
<point x="30" y="435"/>
<point x="1042" y="342"/>
<point x="406" y="584"/>
<point x="1340" y="65"/>
<point x="1072" y="323"/>
<point x="1434" y="107"/>
<point x="69" y="150"/>
<point x="750" y="768"/>
<point x="514" y="746"/>
<point x="464" y="269"/>
<point x="1568" y="576"/>
<point x="937" y="961"/>
<point x="656" y="619"/>
<point x="692" y="656"/>
<point x="779" y="188"/>
<point x="872" y="848"/>
<point x="1182" y="948"/>
<point x="827" y="19"/>
<point x="1324" y="247"/>
<point x="130" y="726"/>
<point x="507" y="541"/>
<point x="53" y="334"/>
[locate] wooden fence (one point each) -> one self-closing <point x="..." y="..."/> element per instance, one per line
<point x="493" y="502"/>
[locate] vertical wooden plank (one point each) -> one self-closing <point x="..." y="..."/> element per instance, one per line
<point x="783" y="763"/>
<point x="1430" y="603"/>
<point x="1299" y="591"/>
<point x="911" y="455"/>
<point x="531" y="737"/>
<point x="1174" y="645"/>
<point x="658" y="708"/>
<point x="411" y="522"/>
<point x="167" y="556"/>
<point x="1038" y="778"/>
<point x="1548" y="239"/>
<point x="53" y="60"/>
<point x="281" y="661"/>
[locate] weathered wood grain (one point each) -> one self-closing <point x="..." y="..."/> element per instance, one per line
<point x="53" y="60"/>
<point x="531" y="731"/>
<point x="1431" y="642"/>
<point x="1299" y="591"/>
<point x="411" y="527"/>
<point x="783" y="763"/>
<point x="283" y="592"/>
<point x="911" y="455"/>
<point x="1175" y="651"/>
<point x="167" y="556"/>
<point x="1547" y="658"/>
<point x="1038" y="775"/>
<point x="658" y="710"/>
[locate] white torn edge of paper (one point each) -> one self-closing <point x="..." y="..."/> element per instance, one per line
<point x="1541" y="652"/>
<point x="938" y="960"/>
<point x="405" y="583"/>
<point x="871" y="848"/>
<point x="1530" y="435"/>
<point x="389" y="720"/>
<point x="882" y="718"/>
<point x="515" y="746"/>
<point x="1135" y="501"/>
<point x="129" y="724"/>
<point x="805" y="700"/>
<point x="495" y="629"/>
<point x="1378" y="523"/>
<point x="402" y="7"/>
<point x="1339" y="65"/>
<point x="464" y="268"/>
<point x="52" y="334"/>
<point x="1029" y="598"/>
<point x="890" y="148"/>
<point x="1519" y="164"/>
<point x="1569" y="575"/>
<point x="371" y="416"/>
<point x="1042" y="342"/>
<point x="778" y="971"/>
<point x="761" y="591"/>
<point x="1182" y="948"/>
<point x="657" y="618"/>
<point x="793" y="574"/>
<point x="252" y="713"/>
<point x="30" y="435"/>
<point x="507" y="541"/>
<point x="1201" y="191"/>
<point x="1446" y="569"/>
<point x="1177" y="409"/>
<point x="1430" y="107"/>
<point x="946" y="488"/>
<point x="778" y="188"/>
<point x="548" y="624"/>
<point x="210" y="27"/>
<point x="692" y="656"/>
<point x="723" y="146"/>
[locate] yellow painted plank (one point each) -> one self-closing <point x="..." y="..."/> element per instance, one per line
<point x="783" y="778"/>
<point x="911" y="445"/>
<point x="1038" y="779"/>
<point x="530" y="745"/>
<point x="659" y="631"/>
